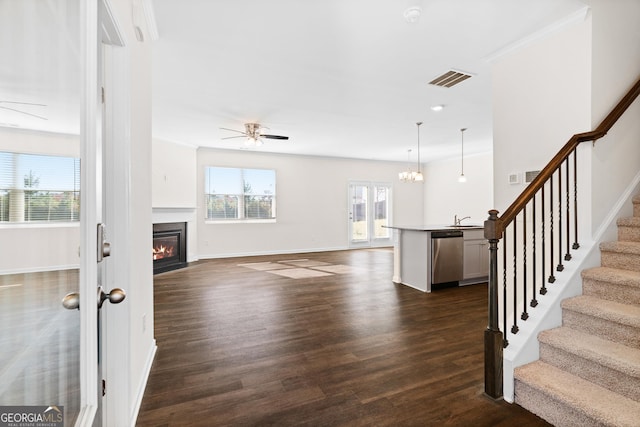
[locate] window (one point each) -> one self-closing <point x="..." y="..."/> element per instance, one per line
<point x="240" y="194"/>
<point x="38" y="188"/>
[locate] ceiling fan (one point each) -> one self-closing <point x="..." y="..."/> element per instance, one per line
<point x="20" y="111"/>
<point x="254" y="135"/>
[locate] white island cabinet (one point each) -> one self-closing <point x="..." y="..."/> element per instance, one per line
<point x="476" y="257"/>
<point x="413" y="254"/>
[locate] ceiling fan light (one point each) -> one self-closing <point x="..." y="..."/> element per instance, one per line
<point x="252" y="142"/>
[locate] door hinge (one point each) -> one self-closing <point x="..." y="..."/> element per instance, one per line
<point x="102" y="93"/>
<point x="104" y="387"/>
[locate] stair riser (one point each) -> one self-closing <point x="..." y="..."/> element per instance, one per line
<point x="611" y="291"/>
<point x="591" y="370"/>
<point x="628" y="234"/>
<point x="553" y="411"/>
<point x="602" y="328"/>
<point x="621" y="260"/>
<point x="636" y="209"/>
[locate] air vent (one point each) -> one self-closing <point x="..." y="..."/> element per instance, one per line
<point x="530" y="175"/>
<point x="450" y="78"/>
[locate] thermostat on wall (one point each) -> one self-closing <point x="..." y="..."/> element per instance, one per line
<point x="514" y="178"/>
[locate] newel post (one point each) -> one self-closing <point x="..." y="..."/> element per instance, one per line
<point x="493" y="339"/>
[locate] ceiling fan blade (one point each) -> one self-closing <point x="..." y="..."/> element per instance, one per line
<point x="231" y="137"/>
<point x="274" y="137"/>
<point x="22" y="103"/>
<point x="234" y="130"/>
<point x="23" y="112"/>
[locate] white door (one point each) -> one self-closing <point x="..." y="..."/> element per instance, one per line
<point x="113" y="268"/>
<point x="51" y="193"/>
<point x="369" y="214"/>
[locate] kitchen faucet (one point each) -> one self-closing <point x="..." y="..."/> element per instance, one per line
<point x="457" y="221"/>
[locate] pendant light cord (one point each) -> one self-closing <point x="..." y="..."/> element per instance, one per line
<point x="462" y="178"/>
<point x="418" y="124"/>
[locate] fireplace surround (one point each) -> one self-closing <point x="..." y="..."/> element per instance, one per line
<point x="169" y="246"/>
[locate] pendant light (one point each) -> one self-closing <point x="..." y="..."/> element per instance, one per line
<point x="405" y="176"/>
<point x="462" y="178"/>
<point x="409" y="175"/>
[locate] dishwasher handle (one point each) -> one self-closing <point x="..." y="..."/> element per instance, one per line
<point x="446" y="234"/>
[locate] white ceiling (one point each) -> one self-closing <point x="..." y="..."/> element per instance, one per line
<point x="39" y="69"/>
<point x="346" y="78"/>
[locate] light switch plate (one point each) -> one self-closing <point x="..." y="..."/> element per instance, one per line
<point x="514" y="178"/>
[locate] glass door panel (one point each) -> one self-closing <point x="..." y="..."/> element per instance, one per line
<point x="381" y="211"/>
<point x="369" y="214"/>
<point x="39" y="204"/>
<point x="359" y="213"/>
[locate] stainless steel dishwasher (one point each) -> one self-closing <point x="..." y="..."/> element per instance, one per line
<point x="447" y="256"/>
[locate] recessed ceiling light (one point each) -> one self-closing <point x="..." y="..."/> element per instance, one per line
<point x="437" y="107"/>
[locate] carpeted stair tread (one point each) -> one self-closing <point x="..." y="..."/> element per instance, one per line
<point x="630" y="221"/>
<point x="602" y="406"/>
<point x="629" y="229"/>
<point x="624" y="314"/>
<point x="613" y="284"/>
<point x="613" y="275"/>
<point x="607" y="353"/>
<point x="632" y="248"/>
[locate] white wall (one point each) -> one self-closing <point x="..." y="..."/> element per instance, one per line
<point x="173" y="176"/>
<point x="312" y="212"/>
<point x="616" y="66"/>
<point x="446" y="197"/>
<point x="312" y="203"/>
<point x="541" y="98"/>
<point x="25" y="253"/>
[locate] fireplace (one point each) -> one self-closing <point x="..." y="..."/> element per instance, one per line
<point x="169" y="246"/>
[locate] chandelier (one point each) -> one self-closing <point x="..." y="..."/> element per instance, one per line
<point x="409" y="175"/>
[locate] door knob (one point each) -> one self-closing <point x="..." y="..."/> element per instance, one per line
<point x="71" y="301"/>
<point x="116" y="296"/>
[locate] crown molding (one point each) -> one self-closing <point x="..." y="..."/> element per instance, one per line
<point x="578" y="16"/>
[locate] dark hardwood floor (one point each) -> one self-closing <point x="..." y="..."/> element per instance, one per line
<point x="323" y="339"/>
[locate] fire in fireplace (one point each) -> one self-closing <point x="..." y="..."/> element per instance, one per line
<point x="162" y="249"/>
<point x="169" y="246"/>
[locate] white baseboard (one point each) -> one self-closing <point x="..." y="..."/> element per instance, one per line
<point x="143" y="385"/>
<point x="40" y="269"/>
<point x="259" y="253"/>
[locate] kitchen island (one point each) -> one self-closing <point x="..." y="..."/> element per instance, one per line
<point x="426" y="257"/>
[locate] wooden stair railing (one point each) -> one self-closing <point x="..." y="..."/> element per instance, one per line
<point x="544" y="253"/>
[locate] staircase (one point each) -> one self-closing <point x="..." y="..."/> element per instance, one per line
<point x="589" y="368"/>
